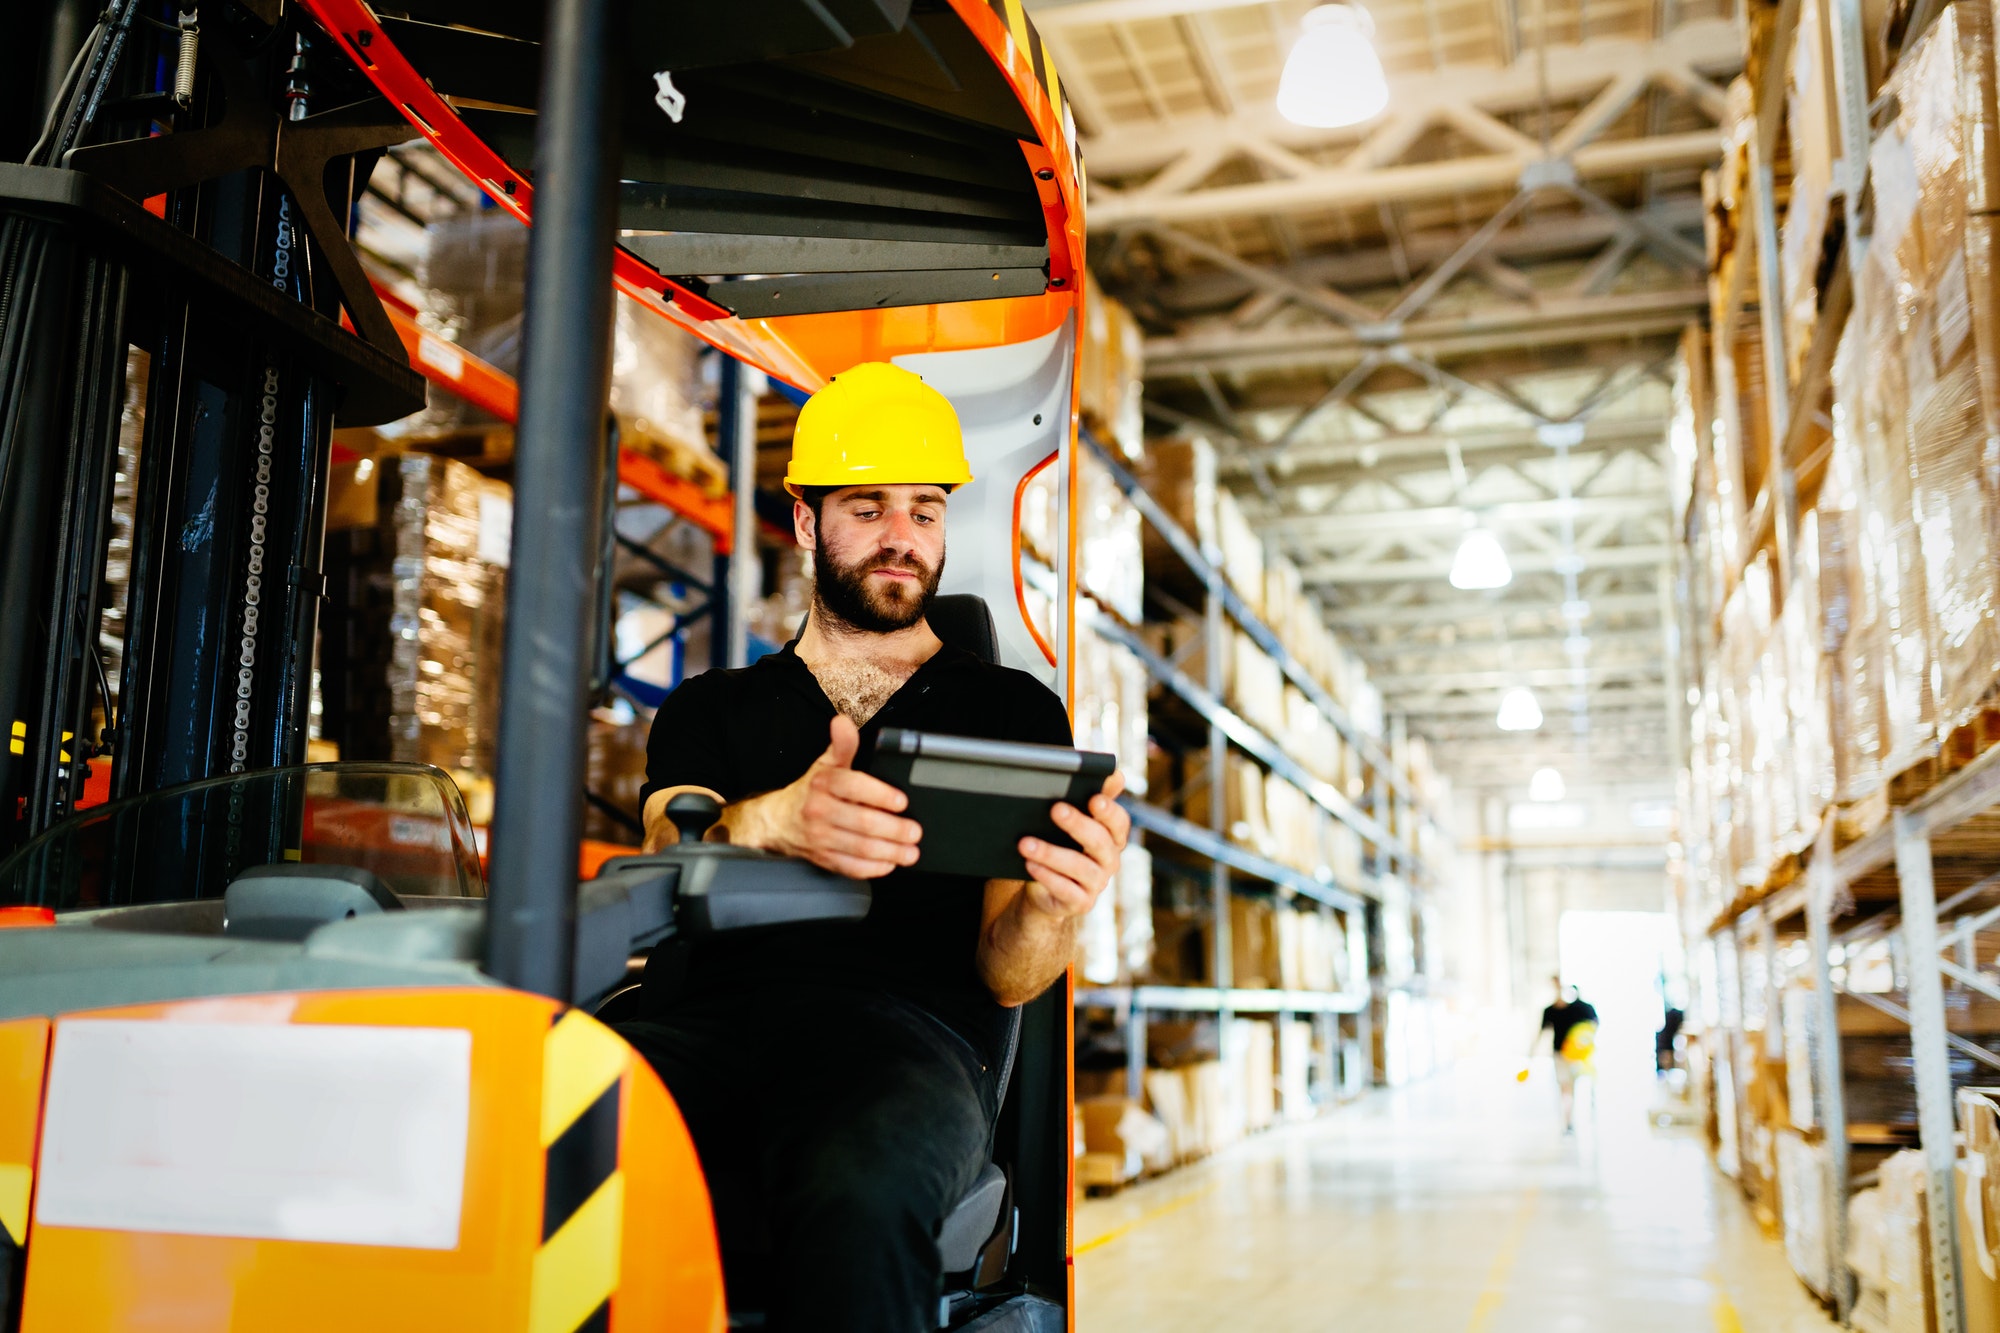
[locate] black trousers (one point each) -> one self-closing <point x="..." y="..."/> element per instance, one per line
<point x="836" y="1132"/>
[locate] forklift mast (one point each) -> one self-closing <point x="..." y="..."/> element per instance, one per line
<point x="211" y="258"/>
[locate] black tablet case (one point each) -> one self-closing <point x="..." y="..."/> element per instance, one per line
<point x="977" y="799"/>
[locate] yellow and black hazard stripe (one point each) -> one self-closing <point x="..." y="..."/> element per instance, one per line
<point x="1036" y="47"/>
<point x="583" y="1192"/>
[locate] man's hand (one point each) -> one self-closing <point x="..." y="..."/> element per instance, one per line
<point x="1065" y="882"/>
<point x="1029" y="933"/>
<point x="840" y="820"/>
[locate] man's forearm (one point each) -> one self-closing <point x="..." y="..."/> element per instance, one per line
<point x="1024" y="950"/>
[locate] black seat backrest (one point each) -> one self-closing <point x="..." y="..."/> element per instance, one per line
<point x="961" y="619"/>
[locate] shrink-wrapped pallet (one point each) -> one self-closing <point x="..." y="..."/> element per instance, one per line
<point x="1110" y="712"/>
<point x="1097" y="941"/>
<point x="1134" y="888"/>
<point x="1741" y="439"/>
<point x="1891" y="625"/>
<point x="1936" y="176"/>
<point x="1691" y="415"/>
<point x="1906" y="1251"/>
<point x="1810" y="122"/>
<point x="1110" y="563"/>
<point x="1802" y="1204"/>
<point x="410" y="595"/>
<point x="1851" y="633"/>
<point x="1809" y="706"/>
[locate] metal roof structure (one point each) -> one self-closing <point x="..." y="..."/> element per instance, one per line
<point x="1464" y="311"/>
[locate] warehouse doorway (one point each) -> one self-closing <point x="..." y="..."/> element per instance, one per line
<point x="1628" y="965"/>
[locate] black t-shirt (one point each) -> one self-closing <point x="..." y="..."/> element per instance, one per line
<point x="1560" y="1018"/>
<point x="746" y="732"/>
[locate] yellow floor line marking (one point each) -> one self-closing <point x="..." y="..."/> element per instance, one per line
<point x="1495" y="1290"/>
<point x="1099" y="1242"/>
<point x="1724" y="1309"/>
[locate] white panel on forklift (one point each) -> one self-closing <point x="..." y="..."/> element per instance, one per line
<point x="1013" y="403"/>
<point x="307" y="1132"/>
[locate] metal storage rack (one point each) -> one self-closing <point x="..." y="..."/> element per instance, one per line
<point x="1940" y="828"/>
<point x="1391" y="797"/>
<point x="1906" y="845"/>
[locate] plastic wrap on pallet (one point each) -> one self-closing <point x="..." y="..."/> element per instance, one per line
<point x="1849" y="632"/>
<point x="1741" y="440"/>
<point x="1810" y="125"/>
<point x="1110" y="560"/>
<point x="439" y="591"/>
<point x="1134" y="889"/>
<point x="1891" y="608"/>
<point x="1953" y="453"/>
<point x="1097" y="941"/>
<point x="1110" y="712"/>
<point x="1906" y="1256"/>
<point x="657" y="394"/>
<point x="1688" y="423"/>
<point x="1802" y="1203"/>
<point x="407" y="631"/>
<point x="1809" y="705"/>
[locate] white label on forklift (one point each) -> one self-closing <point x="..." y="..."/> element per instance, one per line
<point x="307" y="1132"/>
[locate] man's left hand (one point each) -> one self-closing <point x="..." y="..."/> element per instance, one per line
<point x="1063" y="881"/>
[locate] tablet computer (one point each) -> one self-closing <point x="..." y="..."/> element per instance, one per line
<point x="977" y="799"/>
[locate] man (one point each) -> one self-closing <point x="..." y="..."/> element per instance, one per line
<point x="840" y="1080"/>
<point x="1572" y="1024"/>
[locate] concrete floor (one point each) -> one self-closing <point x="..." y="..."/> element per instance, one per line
<point x="1455" y="1206"/>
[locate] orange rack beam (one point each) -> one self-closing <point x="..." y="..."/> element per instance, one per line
<point x="491" y="389"/>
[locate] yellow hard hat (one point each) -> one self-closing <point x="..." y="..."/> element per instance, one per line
<point x="877" y="423"/>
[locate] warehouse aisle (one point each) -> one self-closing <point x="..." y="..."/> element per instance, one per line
<point x="1452" y="1207"/>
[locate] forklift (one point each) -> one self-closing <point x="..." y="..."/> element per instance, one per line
<point x="276" y="1052"/>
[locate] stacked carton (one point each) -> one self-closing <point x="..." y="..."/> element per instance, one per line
<point x="1918" y="391"/>
<point x="1115" y="940"/>
<point x="1110" y="367"/>
<point x="1812" y="127"/>
<point x="410" y="653"/>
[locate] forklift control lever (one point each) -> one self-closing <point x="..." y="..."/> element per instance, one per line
<point x="693" y="813"/>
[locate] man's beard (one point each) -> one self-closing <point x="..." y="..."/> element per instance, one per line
<point x="845" y="593"/>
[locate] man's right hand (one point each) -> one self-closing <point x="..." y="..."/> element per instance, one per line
<point x="840" y="820"/>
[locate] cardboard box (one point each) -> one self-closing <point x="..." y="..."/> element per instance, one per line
<point x="1120" y="1129"/>
<point x="1977" y="1193"/>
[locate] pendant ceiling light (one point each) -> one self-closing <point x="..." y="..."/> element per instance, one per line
<point x="1333" y="76"/>
<point x="1546" y="785"/>
<point x="1519" y="711"/>
<point x="1480" y="562"/>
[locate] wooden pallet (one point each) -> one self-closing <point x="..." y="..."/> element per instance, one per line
<point x="1856" y="819"/>
<point x="1972" y="739"/>
<point x="679" y="458"/>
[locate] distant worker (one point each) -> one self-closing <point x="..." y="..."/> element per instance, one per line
<point x="840" y="1079"/>
<point x="1666" y="1056"/>
<point x="1573" y="1025"/>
